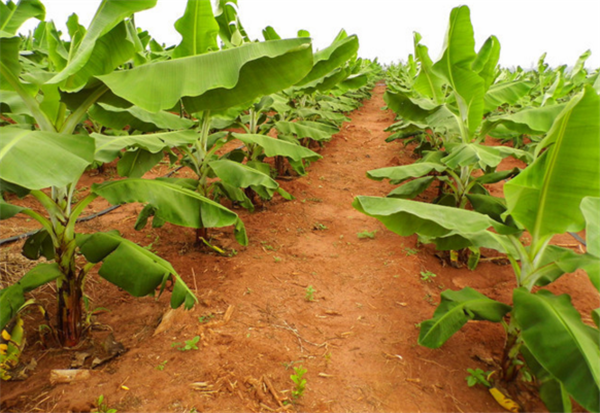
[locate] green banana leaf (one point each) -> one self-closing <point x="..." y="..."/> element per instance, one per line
<point x="241" y="176"/>
<point x="97" y="56"/>
<point x="567" y="348"/>
<point x="531" y="121"/>
<point x="231" y="31"/>
<point x="132" y="267"/>
<point x="317" y="131"/>
<point x="198" y="29"/>
<point x="8" y="210"/>
<point x="278" y="147"/>
<point x="449" y="228"/>
<point x="486" y="62"/>
<point x="491" y="206"/>
<point x="556" y="261"/>
<point x="409" y="108"/>
<point x="135" y="163"/>
<point x="12" y="15"/>
<point x="483" y="156"/>
<point x="546" y="196"/>
<point x="331" y="58"/>
<point x="590" y="207"/>
<point x="108" y="147"/>
<point x="237" y="76"/>
<point x="458" y="54"/>
<point x="325" y="83"/>
<point x="412" y="188"/>
<point x="552" y="392"/>
<point x="12" y="297"/>
<point x="352" y="82"/>
<point x="36" y="160"/>
<point x="269" y="33"/>
<point x="173" y="204"/>
<point x="455" y="309"/>
<point x="398" y="174"/>
<point x="137" y="118"/>
<point x="505" y="92"/>
<point x="427" y="83"/>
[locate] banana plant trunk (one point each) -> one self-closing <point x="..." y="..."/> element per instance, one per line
<point x="510" y="365"/>
<point x="70" y="313"/>
<point x="69" y="321"/>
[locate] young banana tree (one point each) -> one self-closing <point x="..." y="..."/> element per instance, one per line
<point x="47" y="163"/>
<point x="558" y="192"/>
<point x="447" y="104"/>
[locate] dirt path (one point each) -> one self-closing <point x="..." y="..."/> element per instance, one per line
<point x="356" y="338"/>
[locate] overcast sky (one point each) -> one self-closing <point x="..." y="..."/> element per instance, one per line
<point x="526" y="28"/>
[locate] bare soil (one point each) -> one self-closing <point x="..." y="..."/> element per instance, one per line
<point x="357" y="337"/>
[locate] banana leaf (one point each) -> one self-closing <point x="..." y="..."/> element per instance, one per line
<point x="567" y="348"/>
<point x="215" y="81"/>
<point x="545" y="198"/>
<point x="456" y="308"/>
<point x="133" y="268"/>
<point x="36" y="159"/>
<point x="173" y="204"/>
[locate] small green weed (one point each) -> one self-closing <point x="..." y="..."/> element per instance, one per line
<point x="366" y="234"/>
<point x="427" y="276"/>
<point x="319" y="227"/>
<point x="277" y="259"/>
<point x="150" y="246"/>
<point x="102" y="406"/>
<point x="189" y="344"/>
<point x="478" y="376"/>
<point x="161" y="366"/>
<point x="300" y="382"/>
<point x="206" y="318"/>
<point x="411" y="251"/>
<point x="310" y="293"/>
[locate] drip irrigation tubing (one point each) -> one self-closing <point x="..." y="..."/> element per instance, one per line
<point x="81" y="219"/>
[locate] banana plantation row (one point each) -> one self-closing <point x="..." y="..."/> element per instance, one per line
<point x="548" y="119"/>
<point x="113" y="93"/>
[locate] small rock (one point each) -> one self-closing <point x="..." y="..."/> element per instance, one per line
<point x="68" y="376"/>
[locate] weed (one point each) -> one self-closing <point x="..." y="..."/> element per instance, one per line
<point x="319" y="227"/>
<point x="429" y="299"/>
<point x="310" y="293"/>
<point x="206" y="318"/>
<point x="277" y="259"/>
<point x="478" y="376"/>
<point x="161" y="366"/>
<point x="267" y="246"/>
<point x="300" y="382"/>
<point x="288" y="365"/>
<point x="248" y="291"/>
<point x="411" y="251"/>
<point x="427" y="276"/>
<point x="366" y="234"/>
<point x="150" y="246"/>
<point x="102" y="406"/>
<point x="189" y="344"/>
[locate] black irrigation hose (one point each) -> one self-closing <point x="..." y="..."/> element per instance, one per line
<point x="81" y="219"/>
<point x="578" y="238"/>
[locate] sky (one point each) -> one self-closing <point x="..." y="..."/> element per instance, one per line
<point x="525" y="28"/>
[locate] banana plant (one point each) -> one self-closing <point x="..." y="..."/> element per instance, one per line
<point x="552" y="195"/>
<point x="446" y="105"/>
<point x="47" y="163"/>
<point x="235" y="180"/>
